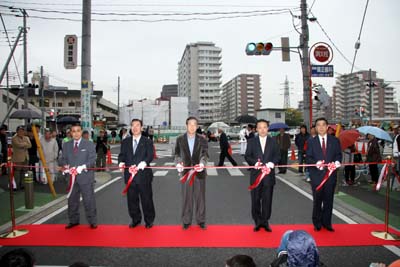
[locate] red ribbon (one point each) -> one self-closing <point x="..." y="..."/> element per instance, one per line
<point x="72" y="175"/>
<point x="331" y="168"/>
<point x="189" y="177"/>
<point x="382" y="176"/>
<point x="133" y="171"/>
<point x="264" y="172"/>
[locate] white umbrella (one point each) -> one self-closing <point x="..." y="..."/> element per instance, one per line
<point x="219" y="124"/>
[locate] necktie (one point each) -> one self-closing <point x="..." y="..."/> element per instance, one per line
<point x="76" y="148"/>
<point x="134" y="145"/>
<point x="323" y="146"/>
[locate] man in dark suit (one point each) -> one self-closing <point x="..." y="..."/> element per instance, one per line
<point x="191" y="149"/>
<point x="262" y="150"/>
<point x="224" y="145"/>
<point x="322" y="149"/>
<point x="138" y="150"/>
<point x="81" y="154"/>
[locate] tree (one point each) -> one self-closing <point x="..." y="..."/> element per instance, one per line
<point x="293" y="117"/>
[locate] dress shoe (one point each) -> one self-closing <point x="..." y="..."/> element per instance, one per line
<point x="133" y="224"/>
<point x="329" y="228"/>
<point x="93" y="226"/>
<point x="317" y="228"/>
<point x="149" y="225"/>
<point x="71" y="225"/>
<point x="267" y="228"/>
<point x="203" y="226"/>
<point x="257" y="228"/>
<point x="185" y="226"/>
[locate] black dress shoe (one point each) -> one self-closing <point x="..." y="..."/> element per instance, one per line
<point x="329" y="228"/>
<point x="71" y="225"/>
<point x="267" y="228"/>
<point x="133" y="224"/>
<point x="149" y="225"/>
<point x="93" y="226"/>
<point x="203" y="226"/>
<point x="185" y="226"/>
<point x="317" y="228"/>
<point x="257" y="228"/>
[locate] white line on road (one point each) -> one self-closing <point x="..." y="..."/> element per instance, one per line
<point x="211" y="172"/>
<point x="233" y="172"/>
<point x="160" y="173"/>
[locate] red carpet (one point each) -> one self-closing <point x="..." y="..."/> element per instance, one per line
<point x="218" y="236"/>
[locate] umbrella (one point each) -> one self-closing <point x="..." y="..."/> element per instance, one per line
<point x="67" y="120"/>
<point x="348" y="138"/>
<point x="246" y="119"/>
<point x="218" y="124"/>
<point x="25" y="114"/>
<point x="377" y="132"/>
<point x="276" y="126"/>
<point x="122" y="125"/>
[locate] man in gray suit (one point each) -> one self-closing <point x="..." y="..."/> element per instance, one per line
<point x="81" y="154"/>
<point x="191" y="149"/>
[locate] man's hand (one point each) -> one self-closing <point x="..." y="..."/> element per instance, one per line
<point x="258" y="165"/>
<point x="199" y="167"/>
<point x="319" y="164"/>
<point x="179" y="167"/>
<point x="121" y="166"/>
<point x="337" y="164"/>
<point x="142" y="165"/>
<point x="65" y="169"/>
<point x="270" y="165"/>
<point x="81" y="168"/>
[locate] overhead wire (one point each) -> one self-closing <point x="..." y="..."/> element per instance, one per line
<point x="357" y="45"/>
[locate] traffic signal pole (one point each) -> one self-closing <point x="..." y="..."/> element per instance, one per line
<point x="304" y="38"/>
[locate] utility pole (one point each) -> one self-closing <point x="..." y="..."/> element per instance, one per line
<point x="118" y="100"/>
<point x="370" y="85"/>
<point x="305" y="66"/>
<point x="25" y="61"/>
<point x="41" y="86"/>
<point x="86" y="82"/>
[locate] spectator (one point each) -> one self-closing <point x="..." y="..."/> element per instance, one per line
<point x="19" y="257"/>
<point x="240" y="261"/>
<point x="396" y="152"/>
<point x="113" y="136"/>
<point x="243" y="140"/>
<point x="300" y="140"/>
<point x="297" y="248"/>
<point x="125" y="134"/>
<point x="50" y="151"/>
<point x="283" y="140"/>
<point x="20" y="145"/>
<point x="68" y="137"/>
<point x="151" y="133"/>
<point x="101" y="150"/>
<point x="373" y="155"/>
<point x="4" y="146"/>
<point x="33" y="154"/>
<point x="251" y="130"/>
<point x="85" y="135"/>
<point x="56" y="137"/>
<point x="349" y="170"/>
<point x="224" y="145"/>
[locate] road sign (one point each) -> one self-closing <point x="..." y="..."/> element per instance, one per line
<point x="321" y="53"/>
<point x="70" y="51"/>
<point x="322" y="71"/>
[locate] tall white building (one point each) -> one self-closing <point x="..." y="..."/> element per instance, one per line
<point x="351" y="93"/>
<point x="199" y="79"/>
<point x="240" y="96"/>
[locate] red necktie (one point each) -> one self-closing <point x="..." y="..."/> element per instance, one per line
<point x="323" y="146"/>
<point x="76" y="148"/>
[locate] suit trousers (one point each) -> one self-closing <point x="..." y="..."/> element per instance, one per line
<point x="141" y="193"/>
<point x="195" y="194"/>
<point x="373" y="170"/>
<point x="283" y="161"/>
<point x="19" y="174"/>
<point x="261" y="203"/>
<point x="89" y="203"/>
<point x="323" y="205"/>
<point x="224" y="153"/>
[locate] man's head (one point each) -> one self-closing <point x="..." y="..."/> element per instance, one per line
<point x="3" y="129"/>
<point x="54" y="134"/>
<point x="101" y="133"/>
<point x="303" y="129"/>
<point x="76" y="131"/>
<point x="191" y="125"/>
<point x="281" y="131"/>
<point x="68" y="133"/>
<point x="47" y="134"/>
<point x="321" y="125"/>
<point x="220" y="131"/>
<point x="136" y="127"/>
<point x="262" y="127"/>
<point x="240" y="261"/>
<point x="21" y="131"/>
<point x="85" y="134"/>
<point x="313" y="132"/>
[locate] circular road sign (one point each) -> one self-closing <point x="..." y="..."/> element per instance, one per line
<point x="322" y="53"/>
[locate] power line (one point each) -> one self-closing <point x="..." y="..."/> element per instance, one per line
<point x="357" y="45"/>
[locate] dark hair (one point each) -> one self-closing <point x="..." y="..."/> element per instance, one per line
<point x="192" y="118"/>
<point x="76" y="124"/>
<point x="321" y="119"/>
<point x="85" y="132"/>
<point x="21" y="127"/>
<point x="140" y="121"/>
<point x="303" y="126"/>
<point x="240" y="261"/>
<point x="262" y="120"/>
<point x="17" y="257"/>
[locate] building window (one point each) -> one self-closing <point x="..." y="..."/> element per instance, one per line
<point x="71" y="104"/>
<point x="278" y="115"/>
<point x="46" y="103"/>
<point x="59" y="104"/>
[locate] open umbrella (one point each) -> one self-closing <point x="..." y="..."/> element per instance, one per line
<point x="219" y="124"/>
<point x="121" y="125"/>
<point x="276" y="126"/>
<point x="25" y="114"/>
<point x="246" y="119"/>
<point x="67" y="120"/>
<point x="348" y="138"/>
<point x="377" y="132"/>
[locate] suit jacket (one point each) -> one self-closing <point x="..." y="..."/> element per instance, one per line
<point x="314" y="154"/>
<point x="86" y="155"/>
<point x="144" y="152"/>
<point x="200" y="153"/>
<point x="223" y="141"/>
<point x="254" y="153"/>
<point x="20" y="148"/>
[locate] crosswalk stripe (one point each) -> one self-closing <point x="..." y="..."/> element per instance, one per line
<point x="211" y="172"/>
<point x="169" y="164"/>
<point x="160" y="173"/>
<point x="233" y="172"/>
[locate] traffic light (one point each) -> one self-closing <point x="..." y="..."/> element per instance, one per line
<point x="362" y="111"/>
<point x="356" y="112"/>
<point x="52" y="114"/>
<point x="258" y="49"/>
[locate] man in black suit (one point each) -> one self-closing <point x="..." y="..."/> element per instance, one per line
<point x="262" y="152"/>
<point x="224" y="145"/>
<point x="138" y="150"/>
<point x="322" y="149"/>
<point x="191" y="149"/>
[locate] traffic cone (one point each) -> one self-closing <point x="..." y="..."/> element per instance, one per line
<point x="293" y="155"/>
<point x="363" y="149"/>
<point x="155" y="152"/>
<point x="109" y="161"/>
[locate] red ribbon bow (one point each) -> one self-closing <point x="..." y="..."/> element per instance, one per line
<point x="331" y="169"/>
<point x="189" y="177"/>
<point x="264" y="172"/>
<point x="133" y="170"/>
<point x="72" y="176"/>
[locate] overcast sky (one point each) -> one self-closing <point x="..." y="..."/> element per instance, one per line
<point x="146" y="55"/>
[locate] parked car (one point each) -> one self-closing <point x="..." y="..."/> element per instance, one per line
<point x="232" y="133"/>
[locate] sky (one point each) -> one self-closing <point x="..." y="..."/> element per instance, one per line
<point x="146" y="55"/>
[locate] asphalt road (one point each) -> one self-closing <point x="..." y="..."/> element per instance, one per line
<point x="228" y="202"/>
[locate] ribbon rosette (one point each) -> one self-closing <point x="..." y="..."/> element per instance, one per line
<point x="264" y="172"/>
<point x="331" y="169"/>
<point x="72" y="176"/>
<point x="189" y="177"/>
<point x="133" y="171"/>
